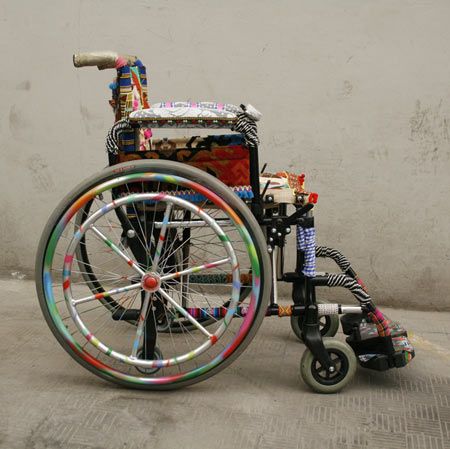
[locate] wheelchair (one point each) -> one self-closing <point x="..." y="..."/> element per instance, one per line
<point x="156" y="272"/>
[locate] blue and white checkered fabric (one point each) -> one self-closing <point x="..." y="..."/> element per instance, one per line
<point x="306" y="242"/>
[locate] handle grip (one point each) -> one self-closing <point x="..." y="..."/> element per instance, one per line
<point x="101" y="59"/>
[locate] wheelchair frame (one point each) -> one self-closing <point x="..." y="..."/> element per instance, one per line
<point x="381" y="347"/>
<point x="277" y="226"/>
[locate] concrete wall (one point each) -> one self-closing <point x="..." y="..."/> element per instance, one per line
<point x="354" y="93"/>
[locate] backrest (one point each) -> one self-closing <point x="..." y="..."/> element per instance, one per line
<point x="232" y="158"/>
<point x="129" y="93"/>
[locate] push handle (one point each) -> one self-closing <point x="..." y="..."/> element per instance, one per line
<point x="101" y="59"/>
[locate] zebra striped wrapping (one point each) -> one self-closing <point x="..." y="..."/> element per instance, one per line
<point x="306" y="242"/>
<point x="342" y="262"/>
<point x="112" y="139"/>
<point x="374" y="314"/>
<point x="247" y="126"/>
<point x="342" y="280"/>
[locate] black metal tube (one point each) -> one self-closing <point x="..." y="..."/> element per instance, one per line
<point x="256" y="206"/>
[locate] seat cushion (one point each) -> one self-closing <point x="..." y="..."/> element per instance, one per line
<point x="185" y="117"/>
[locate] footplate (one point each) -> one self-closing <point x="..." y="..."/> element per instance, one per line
<point x="373" y="351"/>
<point x="359" y="323"/>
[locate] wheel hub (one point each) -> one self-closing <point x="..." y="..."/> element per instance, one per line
<point x="151" y="282"/>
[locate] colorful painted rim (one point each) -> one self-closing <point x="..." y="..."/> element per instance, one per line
<point x="107" y="370"/>
<point x="90" y="336"/>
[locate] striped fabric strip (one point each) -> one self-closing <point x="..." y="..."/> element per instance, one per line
<point x="241" y="311"/>
<point x="215" y="312"/>
<point x="380" y="321"/>
<point x="219" y="278"/>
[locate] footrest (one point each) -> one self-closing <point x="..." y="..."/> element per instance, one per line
<point x="402" y="355"/>
<point x="358" y="323"/>
<point x="373" y="351"/>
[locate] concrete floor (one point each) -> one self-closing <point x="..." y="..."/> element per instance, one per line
<point x="48" y="401"/>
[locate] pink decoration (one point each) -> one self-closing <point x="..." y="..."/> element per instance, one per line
<point x="120" y="62"/>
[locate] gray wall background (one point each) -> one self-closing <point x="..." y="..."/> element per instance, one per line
<point x="354" y="93"/>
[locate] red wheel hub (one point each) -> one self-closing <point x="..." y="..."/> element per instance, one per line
<point x="151" y="282"/>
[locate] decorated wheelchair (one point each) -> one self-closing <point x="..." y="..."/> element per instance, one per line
<point x="156" y="272"/>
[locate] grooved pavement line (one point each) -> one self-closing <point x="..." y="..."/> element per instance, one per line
<point x="49" y="401"/>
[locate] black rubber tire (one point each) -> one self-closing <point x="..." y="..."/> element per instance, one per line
<point x="191" y="173"/>
<point x="308" y="371"/>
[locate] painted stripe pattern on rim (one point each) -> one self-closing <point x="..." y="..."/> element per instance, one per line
<point x="147" y="177"/>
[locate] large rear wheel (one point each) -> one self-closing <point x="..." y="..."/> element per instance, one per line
<point x="143" y="279"/>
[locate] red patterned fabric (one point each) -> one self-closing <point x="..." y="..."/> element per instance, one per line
<point x="229" y="163"/>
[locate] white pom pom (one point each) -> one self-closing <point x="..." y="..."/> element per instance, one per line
<point x="252" y="112"/>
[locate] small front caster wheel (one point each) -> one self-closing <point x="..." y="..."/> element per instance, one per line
<point x="157" y="354"/>
<point x="329" y="325"/>
<point x="323" y="381"/>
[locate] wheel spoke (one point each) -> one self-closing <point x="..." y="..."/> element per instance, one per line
<point x="141" y="323"/>
<point x="196" y="269"/>
<point x="185" y="314"/>
<point x="162" y="237"/>
<point x="118" y="251"/>
<point x="114" y="291"/>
